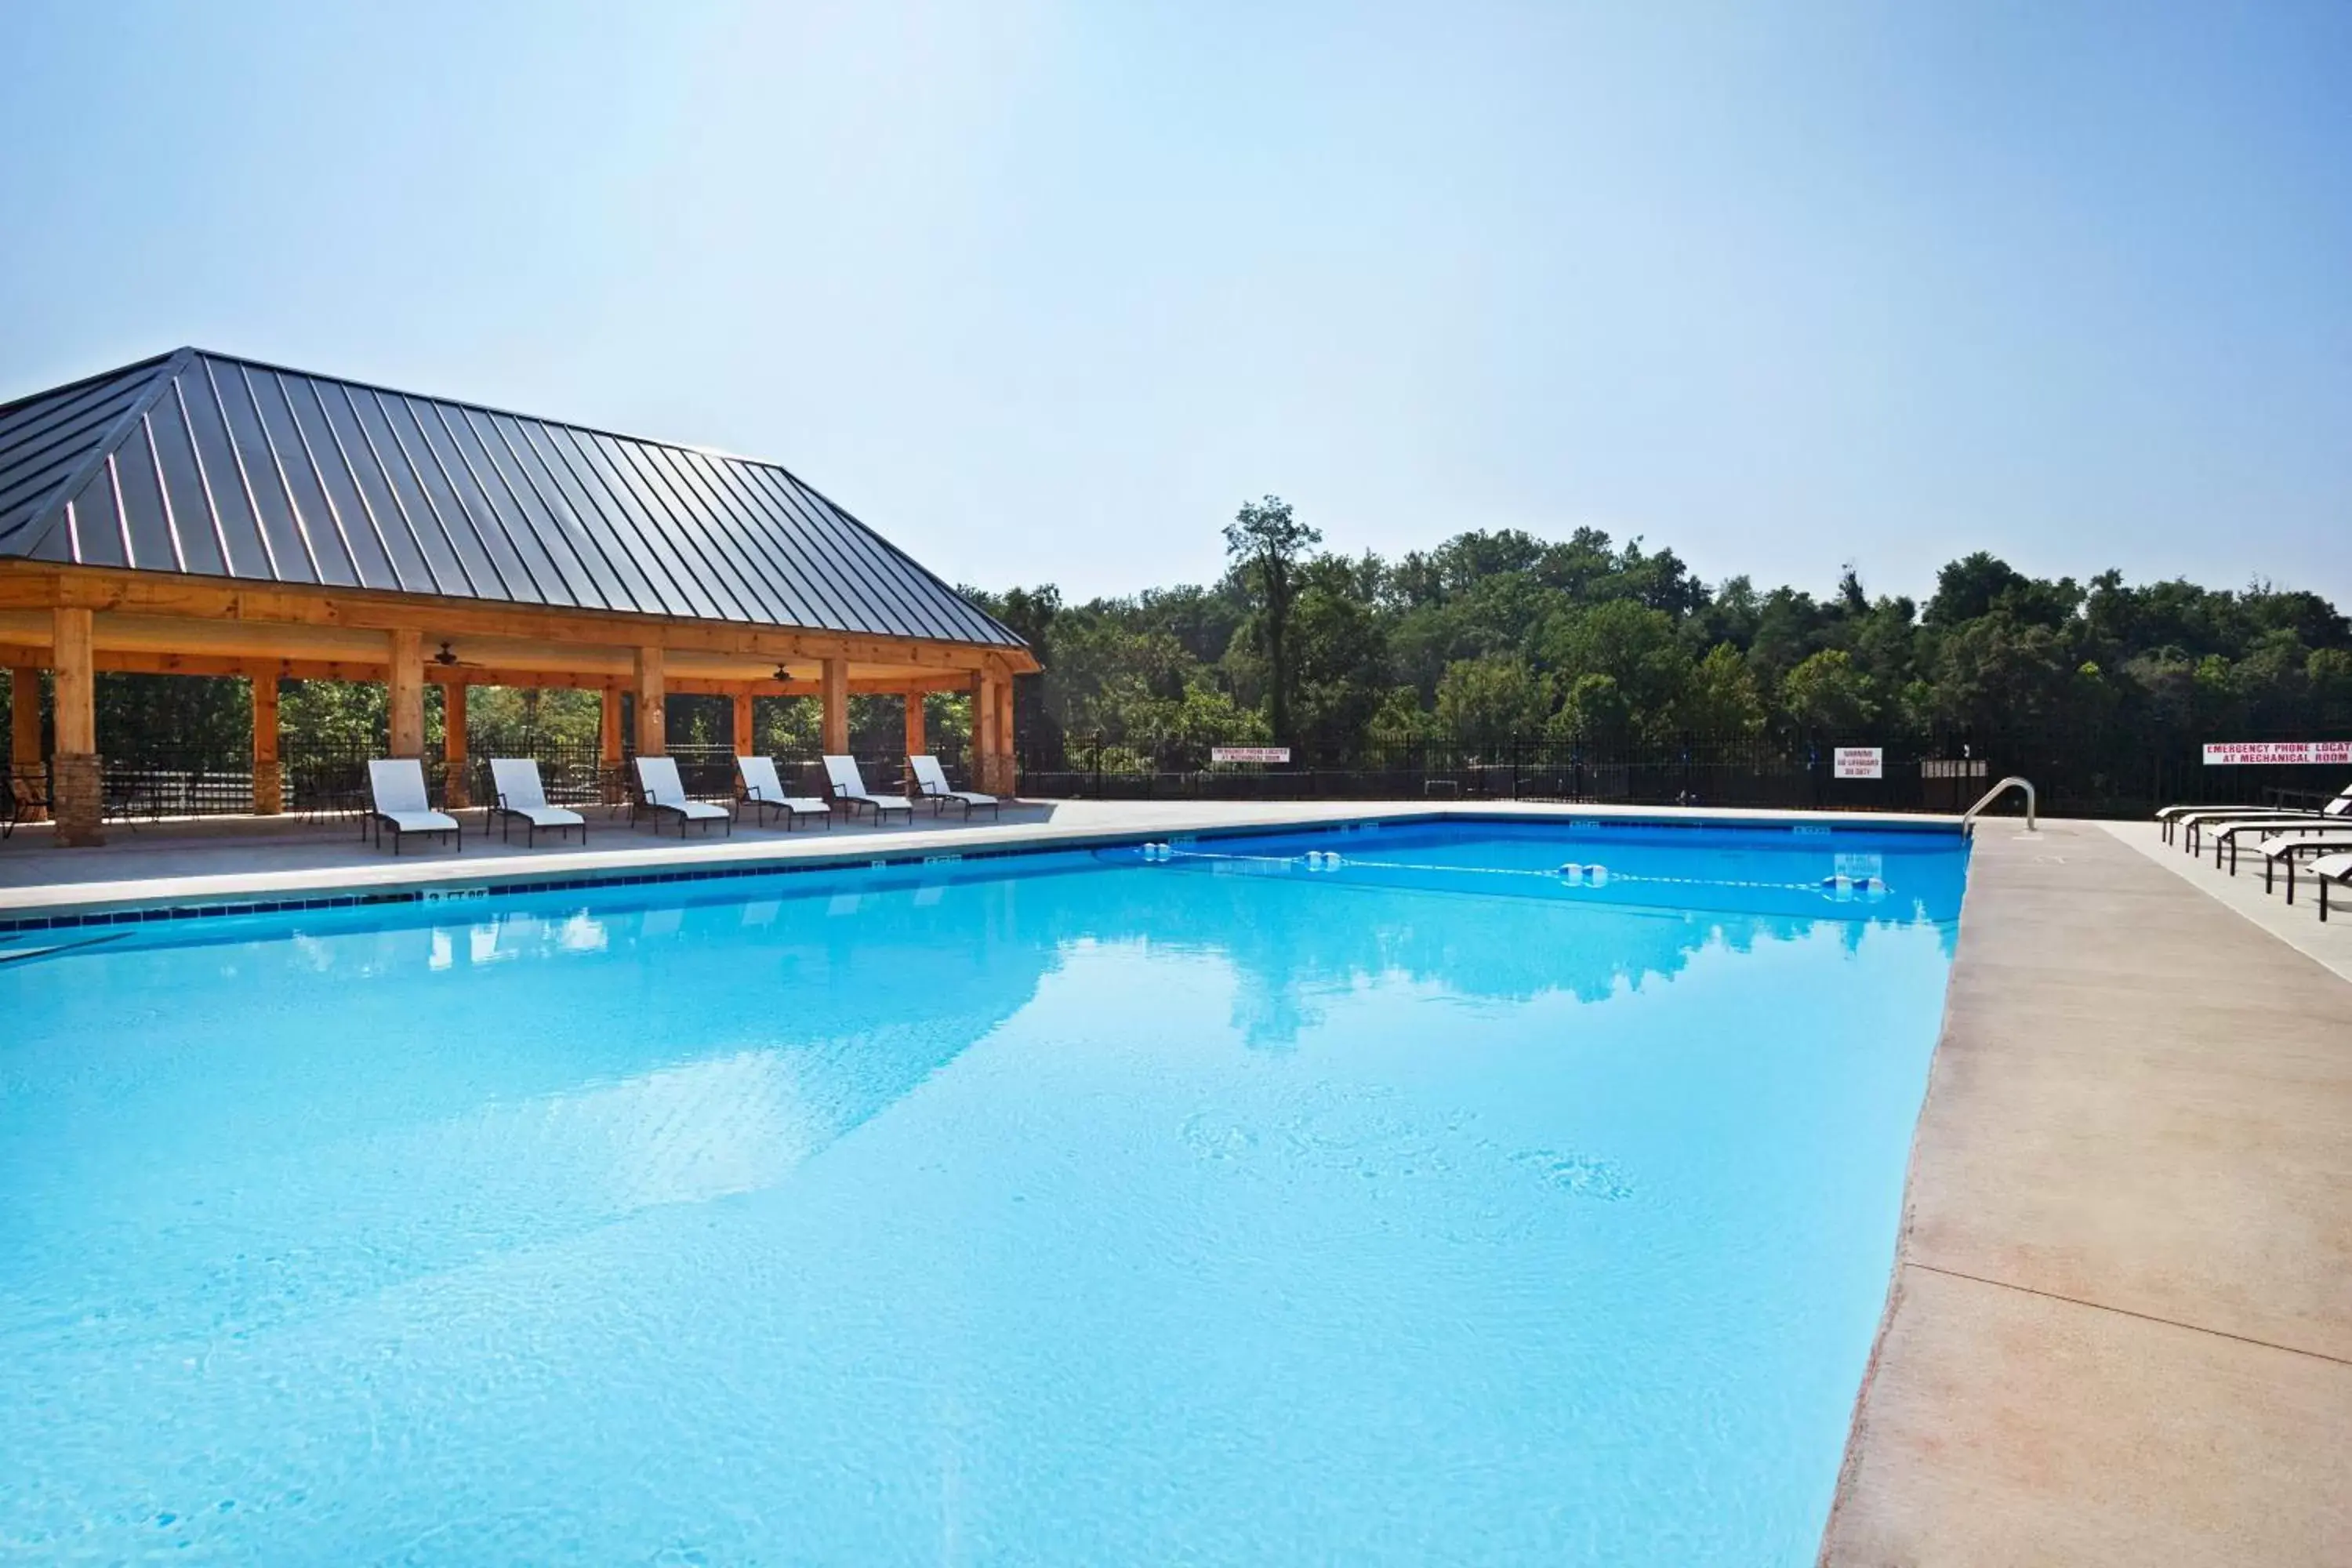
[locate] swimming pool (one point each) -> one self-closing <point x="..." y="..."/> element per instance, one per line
<point x="1391" y="1195"/>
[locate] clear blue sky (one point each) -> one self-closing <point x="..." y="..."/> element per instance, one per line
<point x="1044" y="292"/>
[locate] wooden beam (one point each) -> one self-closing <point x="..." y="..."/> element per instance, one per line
<point x="914" y="724"/>
<point x="404" y="688"/>
<point x="740" y="727"/>
<point x="36" y="657"/>
<point x="652" y="701"/>
<point x="269" y="778"/>
<point x="41" y="585"/>
<point x="836" y="725"/>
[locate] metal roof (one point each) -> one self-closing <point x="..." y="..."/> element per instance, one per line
<point x="198" y="462"/>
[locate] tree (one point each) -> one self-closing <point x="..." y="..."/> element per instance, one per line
<point x="1266" y="543"/>
<point x="1723" y="697"/>
<point x="1827" y="693"/>
<point x="1493" y="699"/>
<point x="1636" y="649"/>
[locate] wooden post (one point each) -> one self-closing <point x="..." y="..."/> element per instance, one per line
<point x="1007" y="779"/>
<point x="454" y="793"/>
<point x="25" y="726"/>
<point x="652" y="701"/>
<point x="79" y="775"/>
<point x="608" y="747"/>
<point x="836" y="707"/>
<point x="742" y="726"/>
<point x="404" y="688"/>
<point x="983" y="767"/>
<point x="915" y="746"/>
<point x="268" y="776"/>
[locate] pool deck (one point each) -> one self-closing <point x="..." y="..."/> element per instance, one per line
<point x="2120" y="1327"/>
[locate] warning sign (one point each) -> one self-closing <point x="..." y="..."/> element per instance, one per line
<point x="1249" y="753"/>
<point x="1861" y="762"/>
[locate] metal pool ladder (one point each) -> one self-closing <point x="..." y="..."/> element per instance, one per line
<point x="1969" y="818"/>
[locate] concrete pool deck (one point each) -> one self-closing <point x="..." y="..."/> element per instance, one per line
<point x="2120" y="1324"/>
<point x="2120" y="1327"/>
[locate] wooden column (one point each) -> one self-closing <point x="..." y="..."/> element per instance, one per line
<point x="742" y="725"/>
<point x="836" y="707"/>
<point x="608" y="747"/>
<point x="653" y="702"/>
<point x="404" y="691"/>
<point x="983" y="767"/>
<point x="25" y="725"/>
<point x="454" y="793"/>
<point x="79" y="774"/>
<point x="268" y="776"/>
<point x="1007" y="779"/>
<point x="914" y="747"/>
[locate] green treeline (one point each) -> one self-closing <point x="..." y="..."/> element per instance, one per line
<point x="1495" y="634"/>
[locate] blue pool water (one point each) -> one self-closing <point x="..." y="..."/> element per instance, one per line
<point x="1209" y="1205"/>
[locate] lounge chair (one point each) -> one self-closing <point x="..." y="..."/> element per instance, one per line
<point x="2337" y="810"/>
<point x="524" y="799"/>
<point x="2227" y="834"/>
<point x="661" y="793"/>
<point x="931" y="782"/>
<point x="849" y="790"/>
<point x="2289" y="848"/>
<point x="26" y="799"/>
<point x="761" y="789"/>
<point x="397" y="800"/>
<point x="2193" y="818"/>
<point x="2331" y="868"/>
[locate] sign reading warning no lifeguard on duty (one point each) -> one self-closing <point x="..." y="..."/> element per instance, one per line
<point x="2242" y="753"/>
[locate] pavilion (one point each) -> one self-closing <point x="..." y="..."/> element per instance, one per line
<point x="201" y="514"/>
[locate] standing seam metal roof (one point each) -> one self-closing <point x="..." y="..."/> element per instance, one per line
<point x="201" y="463"/>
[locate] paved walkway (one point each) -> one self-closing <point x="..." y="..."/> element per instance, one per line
<point x="2121" y="1324"/>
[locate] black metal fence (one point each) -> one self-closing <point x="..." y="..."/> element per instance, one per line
<point x="328" y="780"/>
<point x="2074" y="774"/>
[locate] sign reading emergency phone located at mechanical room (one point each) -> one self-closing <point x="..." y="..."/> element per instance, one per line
<point x="1861" y="762"/>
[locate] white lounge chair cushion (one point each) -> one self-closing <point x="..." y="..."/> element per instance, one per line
<point x="419" y="821"/>
<point x="517" y="782"/>
<point x="805" y="805"/>
<point x="847" y="781"/>
<point x="548" y="815"/>
<point x="2279" y="847"/>
<point x="933" y="780"/>
<point x="397" y="784"/>
<point x="658" y="779"/>
<point x="2333" y="866"/>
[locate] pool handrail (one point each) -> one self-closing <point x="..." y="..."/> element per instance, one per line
<point x="1969" y="817"/>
